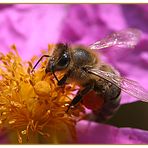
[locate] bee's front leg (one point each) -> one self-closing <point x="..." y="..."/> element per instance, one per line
<point x="62" y="81"/>
<point x="80" y="95"/>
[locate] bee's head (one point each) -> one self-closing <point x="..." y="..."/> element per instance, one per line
<point x="60" y="58"/>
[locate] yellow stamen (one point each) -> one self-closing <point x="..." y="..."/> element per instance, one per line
<point x="24" y="132"/>
<point x="32" y="103"/>
<point x="12" y="121"/>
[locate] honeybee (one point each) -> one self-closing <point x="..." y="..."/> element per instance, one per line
<point x="100" y="84"/>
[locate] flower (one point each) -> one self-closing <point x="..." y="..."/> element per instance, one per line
<point x="32" y="103"/>
<point x="84" y="24"/>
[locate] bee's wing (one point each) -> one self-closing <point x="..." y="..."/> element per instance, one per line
<point x="131" y="87"/>
<point x="127" y="38"/>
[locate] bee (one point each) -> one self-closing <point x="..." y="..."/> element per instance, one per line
<point x="100" y="84"/>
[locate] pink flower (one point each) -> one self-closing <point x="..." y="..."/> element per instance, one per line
<point x="93" y="133"/>
<point x="32" y="27"/>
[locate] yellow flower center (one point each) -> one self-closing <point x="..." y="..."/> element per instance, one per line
<point x="42" y="88"/>
<point x="32" y="105"/>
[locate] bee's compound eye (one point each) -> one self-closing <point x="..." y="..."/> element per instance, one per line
<point x="64" y="60"/>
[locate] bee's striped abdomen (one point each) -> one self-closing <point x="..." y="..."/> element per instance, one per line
<point x="108" y="110"/>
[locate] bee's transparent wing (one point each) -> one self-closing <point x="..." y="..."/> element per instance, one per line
<point x="127" y="38"/>
<point x="131" y="87"/>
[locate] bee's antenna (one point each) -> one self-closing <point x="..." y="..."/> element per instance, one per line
<point x="47" y="56"/>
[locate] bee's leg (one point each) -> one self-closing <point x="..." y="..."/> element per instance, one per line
<point x="64" y="78"/>
<point x="80" y="95"/>
<point x="54" y="75"/>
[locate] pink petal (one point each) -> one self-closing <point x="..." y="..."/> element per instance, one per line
<point x="135" y="16"/>
<point x="3" y="137"/>
<point x="31" y="27"/>
<point x="83" y="25"/>
<point x="94" y="133"/>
